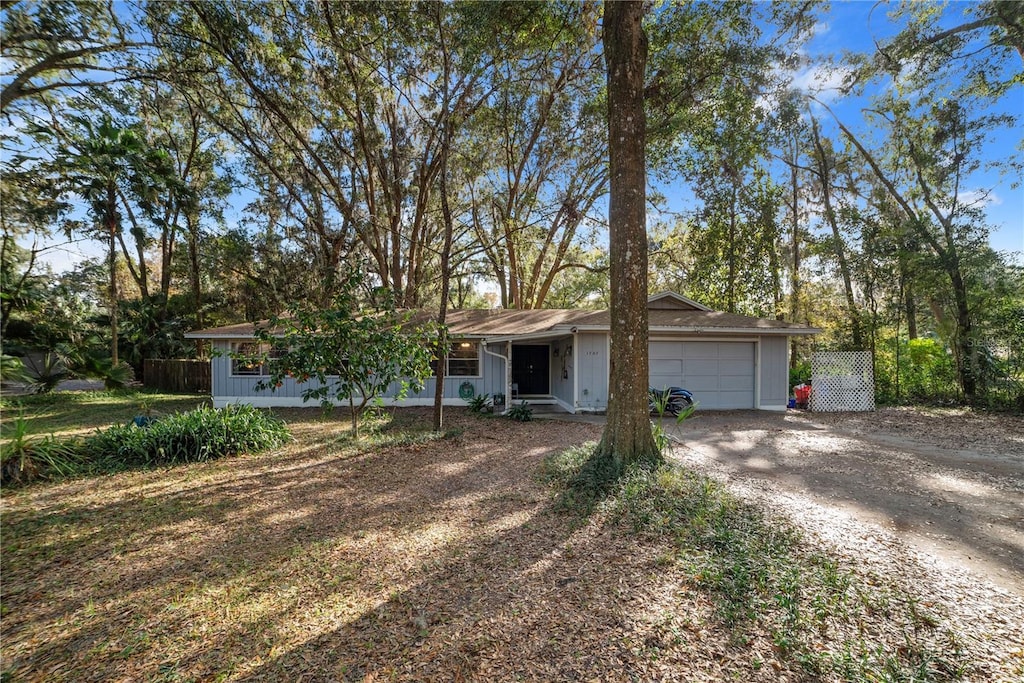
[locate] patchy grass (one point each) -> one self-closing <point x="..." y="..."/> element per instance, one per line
<point x="77" y="413"/>
<point x="411" y="556"/>
<point x="192" y="436"/>
<point x="763" y="579"/>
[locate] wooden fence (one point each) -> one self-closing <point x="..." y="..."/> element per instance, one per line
<point x="177" y="376"/>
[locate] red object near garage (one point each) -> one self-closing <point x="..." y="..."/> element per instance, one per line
<point x="803" y="395"/>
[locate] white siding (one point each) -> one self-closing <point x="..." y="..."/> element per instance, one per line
<point x="563" y="365"/>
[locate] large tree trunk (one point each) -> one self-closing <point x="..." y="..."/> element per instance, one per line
<point x="966" y="353"/>
<point x="794" y="305"/>
<point x="627" y="436"/>
<point x="446" y="255"/>
<point x="910" y="305"/>
<point x="111" y="264"/>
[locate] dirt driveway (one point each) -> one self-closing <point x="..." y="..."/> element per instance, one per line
<point x="947" y="484"/>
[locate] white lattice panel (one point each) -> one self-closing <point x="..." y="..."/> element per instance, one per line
<point x="842" y="381"/>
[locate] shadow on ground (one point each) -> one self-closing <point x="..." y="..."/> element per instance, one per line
<point x="952" y="486"/>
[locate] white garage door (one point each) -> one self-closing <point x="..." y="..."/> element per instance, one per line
<point x="720" y="374"/>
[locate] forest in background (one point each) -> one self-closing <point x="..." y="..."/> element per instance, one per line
<point x="229" y="160"/>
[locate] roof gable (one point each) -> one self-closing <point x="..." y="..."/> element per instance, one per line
<point x="673" y="302"/>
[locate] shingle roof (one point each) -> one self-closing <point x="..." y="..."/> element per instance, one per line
<point x="512" y="323"/>
<point x="690" y="320"/>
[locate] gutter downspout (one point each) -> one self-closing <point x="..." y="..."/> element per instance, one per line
<point x="575" y="372"/>
<point x="508" y="372"/>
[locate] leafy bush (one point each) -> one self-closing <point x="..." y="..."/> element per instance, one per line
<point x="196" y="436"/>
<point x="24" y="460"/>
<point x="12" y="369"/>
<point x="521" y="412"/>
<point x="48" y="375"/>
<point x="919" y="370"/>
<point x="661" y="437"/>
<point x="479" y="403"/>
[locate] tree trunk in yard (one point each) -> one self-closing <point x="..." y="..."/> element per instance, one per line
<point x="794" y="305"/>
<point x="627" y="436"/>
<point x="112" y="264"/>
<point x="445" y="286"/>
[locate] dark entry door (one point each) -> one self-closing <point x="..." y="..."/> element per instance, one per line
<point x="531" y="368"/>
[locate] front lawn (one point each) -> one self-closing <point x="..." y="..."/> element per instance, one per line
<point x="411" y="556"/>
<point x="76" y="413"/>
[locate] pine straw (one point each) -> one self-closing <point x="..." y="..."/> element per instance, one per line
<point x="438" y="560"/>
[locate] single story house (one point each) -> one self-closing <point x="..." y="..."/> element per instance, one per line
<point x="560" y="357"/>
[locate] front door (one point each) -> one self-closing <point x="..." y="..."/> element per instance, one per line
<point x="531" y="368"/>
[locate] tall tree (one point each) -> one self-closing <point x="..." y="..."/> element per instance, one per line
<point x="824" y="166"/>
<point x="60" y="45"/>
<point x="627" y="437"/>
<point x="101" y="162"/>
<point x="544" y="163"/>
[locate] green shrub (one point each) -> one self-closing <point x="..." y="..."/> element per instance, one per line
<point x="479" y="403"/>
<point x="521" y="412"/>
<point x="12" y="369"/>
<point x="801" y="374"/>
<point x="47" y="376"/>
<point x="24" y="460"/>
<point x="196" y="436"/>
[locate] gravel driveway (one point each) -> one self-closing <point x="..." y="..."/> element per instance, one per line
<point x="933" y="500"/>
<point x="948" y="483"/>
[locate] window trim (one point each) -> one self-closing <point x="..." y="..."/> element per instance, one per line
<point x="261" y="370"/>
<point x="479" y="361"/>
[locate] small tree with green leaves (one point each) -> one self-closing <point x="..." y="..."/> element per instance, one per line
<point x="349" y="352"/>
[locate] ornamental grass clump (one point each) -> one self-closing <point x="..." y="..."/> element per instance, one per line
<point x="24" y="459"/>
<point x="196" y="436"/>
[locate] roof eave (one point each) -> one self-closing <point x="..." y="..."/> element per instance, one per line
<point x="696" y="329"/>
<point x="236" y="335"/>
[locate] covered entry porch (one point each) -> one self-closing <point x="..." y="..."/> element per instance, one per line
<point x="540" y="371"/>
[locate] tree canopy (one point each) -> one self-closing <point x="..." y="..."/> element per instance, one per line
<point x="220" y="161"/>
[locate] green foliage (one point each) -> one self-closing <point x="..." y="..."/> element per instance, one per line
<point x="915" y="371"/>
<point x="759" y="573"/>
<point x="801" y="374"/>
<point x="24" y="459"/>
<point x="347" y="350"/>
<point x="93" y="361"/>
<point x="661" y="438"/>
<point x="46" y="376"/>
<point x="521" y="413"/>
<point x="481" y="403"/>
<point x="12" y="369"/>
<point x="582" y="480"/>
<point x="196" y="436"/>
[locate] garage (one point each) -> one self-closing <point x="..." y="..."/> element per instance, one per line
<point x="720" y="374"/>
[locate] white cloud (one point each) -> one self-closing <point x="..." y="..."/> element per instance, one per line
<point x="820" y="29"/>
<point x="824" y="81"/>
<point x="980" y="198"/>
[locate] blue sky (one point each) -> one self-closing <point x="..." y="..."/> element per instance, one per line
<point x="857" y="26"/>
<point x="853" y="26"/>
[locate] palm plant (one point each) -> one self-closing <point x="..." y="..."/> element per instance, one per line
<point x="101" y="162"/>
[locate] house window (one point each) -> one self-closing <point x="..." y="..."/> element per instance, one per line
<point x="245" y="359"/>
<point x="463" y="360"/>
